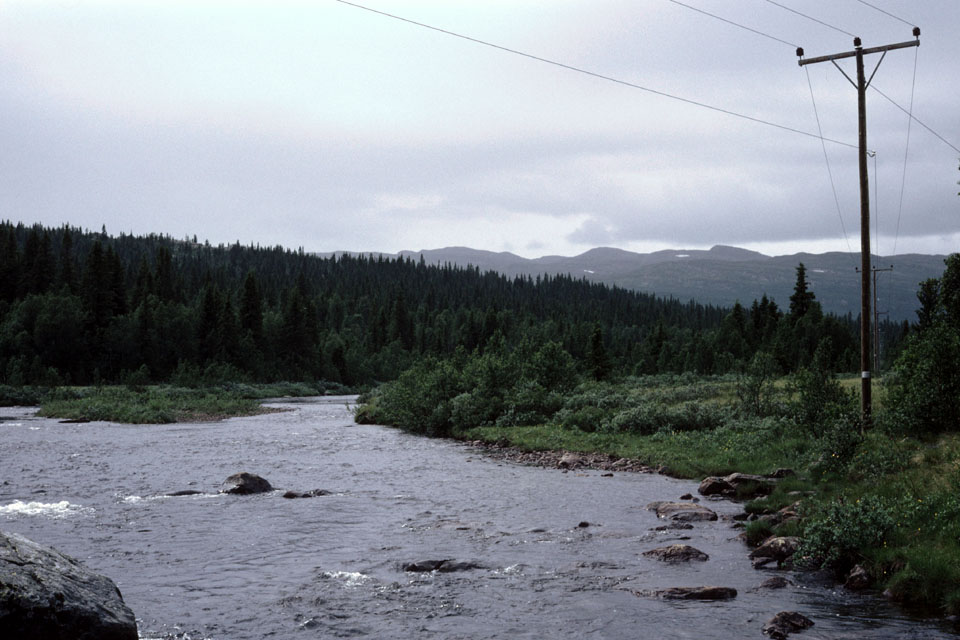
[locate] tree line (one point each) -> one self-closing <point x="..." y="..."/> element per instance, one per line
<point x="84" y="307"/>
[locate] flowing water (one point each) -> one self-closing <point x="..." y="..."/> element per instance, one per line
<point x="236" y="567"/>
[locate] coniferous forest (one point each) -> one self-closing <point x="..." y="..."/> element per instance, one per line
<point x="81" y="307"/>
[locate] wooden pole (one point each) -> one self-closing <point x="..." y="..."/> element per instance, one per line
<point x="866" y="404"/>
<point x="866" y="392"/>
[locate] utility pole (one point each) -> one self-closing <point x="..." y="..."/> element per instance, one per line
<point x="866" y="404"/>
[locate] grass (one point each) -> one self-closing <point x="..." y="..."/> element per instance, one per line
<point x="750" y="446"/>
<point x="161" y="404"/>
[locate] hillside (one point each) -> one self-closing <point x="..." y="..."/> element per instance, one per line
<point x="719" y="276"/>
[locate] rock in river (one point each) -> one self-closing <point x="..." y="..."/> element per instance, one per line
<point x="676" y="553"/>
<point x="691" y="593"/>
<point x="784" y="623"/>
<point x="244" y="483"/>
<point x="443" y="566"/>
<point x="858" y="579"/>
<point x="46" y="595"/>
<point x="743" y="485"/>
<point x="776" y="548"/>
<point x="682" y="511"/>
<point x="313" y="493"/>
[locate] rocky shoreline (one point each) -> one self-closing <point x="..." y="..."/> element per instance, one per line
<point x="562" y="459"/>
<point x="740" y="486"/>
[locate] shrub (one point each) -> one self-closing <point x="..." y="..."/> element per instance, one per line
<point x="755" y="386"/>
<point x="587" y="419"/>
<point x="838" y="443"/>
<point x="837" y="535"/>
<point x="529" y="403"/>
<point x="924" y="392"/>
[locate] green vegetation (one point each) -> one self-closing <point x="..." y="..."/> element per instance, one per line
<point x="163" y="404"/>
<point x="154" y="405"/>
<point x="85" y="308"/>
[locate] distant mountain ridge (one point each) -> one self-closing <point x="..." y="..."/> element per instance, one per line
<point x="719" y="276"/>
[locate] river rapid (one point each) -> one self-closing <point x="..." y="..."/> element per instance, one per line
<point x="229" y="567"/>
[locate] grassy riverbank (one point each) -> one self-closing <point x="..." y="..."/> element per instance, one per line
<point x="882" y="498"/>
<point x="155" y="404"/>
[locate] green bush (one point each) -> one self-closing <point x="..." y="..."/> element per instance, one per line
<point x="835" y="536"/>
<point x="924" y="391"/>
<point x="586" y="419"/>
<point x="529" y="403"/>
<point x="15" y="396"/>
<point x="838" y="444"/>
<point x="469" y="410"/>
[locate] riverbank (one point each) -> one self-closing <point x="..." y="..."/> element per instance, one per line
<point x="885" y="499"/>
<point x="890" y="506"/>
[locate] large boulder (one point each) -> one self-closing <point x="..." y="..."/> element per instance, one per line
<point x="676" y="553"/>
<point x="46" y="595"/>
<point x="682" y="511"/>
<point x="244" y="483"/>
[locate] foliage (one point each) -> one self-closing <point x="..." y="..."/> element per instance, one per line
<point x="818" y="397"/>
<point x="925" y="387"/>
<point x="79" y="307"/>
<point x="153" y="405"/>
<point x="839" y="441"/>
<point x="837" y="534"/>
<point x="11" y="396"/>
<point x="755" y="387"/>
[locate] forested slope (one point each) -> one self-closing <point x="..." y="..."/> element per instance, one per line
<point x="81" y="307"/>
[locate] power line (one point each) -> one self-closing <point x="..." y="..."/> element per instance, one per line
<point x="827" y="160"/>
<point x="915" y="119"/>
<point x="599" y="76"/>
<point x="803" y="15"/>
<point x="906" y="149"/>
<point x="909" y="24"/>
<point x="736" y="24"/>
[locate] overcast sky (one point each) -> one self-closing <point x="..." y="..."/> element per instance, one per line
<point x="324" y="126"/>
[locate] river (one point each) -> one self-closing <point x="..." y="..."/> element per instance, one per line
<point x="228" y="567"/>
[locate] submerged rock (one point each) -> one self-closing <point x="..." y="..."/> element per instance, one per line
<point x="673" y="526"/>
<point x="46" y="595"/>
<point x="244" y="483"/>
<point x="442" y="566"/>
<point x="776" y="582"/>
<point x="185" y="492"/>
<point x="682" y="511"/>
<point x="691" y="593"/>
<point x="313" y="493"/>
<point x="676" y="553"/>
<point x="785" y="623"/>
